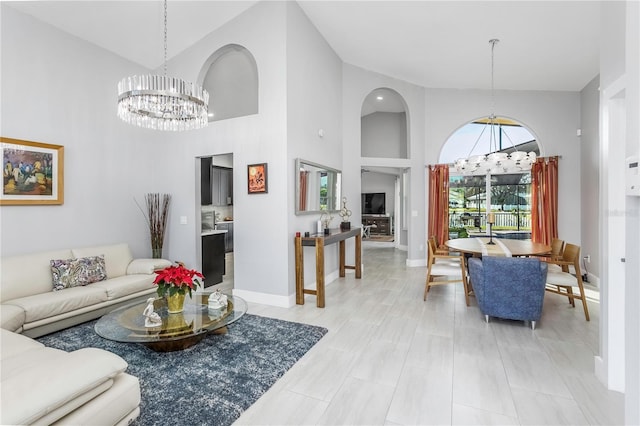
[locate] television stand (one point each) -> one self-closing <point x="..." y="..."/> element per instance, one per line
<point x="380" y="225"/>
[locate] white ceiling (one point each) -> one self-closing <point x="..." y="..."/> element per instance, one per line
<point x="544" y="45"/>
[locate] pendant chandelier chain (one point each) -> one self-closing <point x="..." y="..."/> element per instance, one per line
<point x="160" y="102"/>
<point x="493" y="141"/>
<point x="498" y="160"/>
<point x="165" y="38"/>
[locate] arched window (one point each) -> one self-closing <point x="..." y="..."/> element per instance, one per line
<point x="479" y="137"/>
<point x="231" y="78"/>
<point x="509" y="193"/>
<point x="384" y="125"/>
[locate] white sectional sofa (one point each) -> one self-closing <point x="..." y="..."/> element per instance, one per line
<point x="44" y="385"/>
<point x="28" y="304"/>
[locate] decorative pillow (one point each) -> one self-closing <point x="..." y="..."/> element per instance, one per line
<point x="69" y="273"/>
<point x="93" y="269"/>
<point x="66" y="273"/>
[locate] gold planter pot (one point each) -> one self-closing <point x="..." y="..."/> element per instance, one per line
<point x="175" y="303"/>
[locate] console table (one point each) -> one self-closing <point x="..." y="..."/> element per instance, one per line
<point x="319" y="241"/>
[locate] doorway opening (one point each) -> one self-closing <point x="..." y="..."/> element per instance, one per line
<point x="216" y="225"/>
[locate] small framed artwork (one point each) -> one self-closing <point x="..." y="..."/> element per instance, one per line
<point x="33" y="172"/>
<point x="257" y="178"/>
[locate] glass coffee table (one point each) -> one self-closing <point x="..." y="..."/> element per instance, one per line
<point x="177" y="331"/>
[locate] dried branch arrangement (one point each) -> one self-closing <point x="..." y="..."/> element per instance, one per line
<point x="156" y="216"/>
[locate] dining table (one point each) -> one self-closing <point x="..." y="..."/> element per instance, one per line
<point x="501" y="247"/>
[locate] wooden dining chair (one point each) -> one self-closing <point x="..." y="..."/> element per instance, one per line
<point x="444" y="250"/>
<point x="445" y="269"/>
<point x="557" y="248"/>
<point x="562" y="282"/>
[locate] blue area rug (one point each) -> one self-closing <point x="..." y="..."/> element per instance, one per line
<point x="212" y="382"/>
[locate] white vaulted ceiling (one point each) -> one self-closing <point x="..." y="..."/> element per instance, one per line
<point x="545" y="45"/>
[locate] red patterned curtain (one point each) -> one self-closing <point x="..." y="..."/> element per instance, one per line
<point x="544" y="200"/>
<point x="439" y="202"/>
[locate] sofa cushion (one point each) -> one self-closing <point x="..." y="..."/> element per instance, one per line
<point x="56" y="387"/>
<point x="115" y="406"/>
<point x="68" y="273"/>
<point x="147" y="266"/>
<point x="51" y="303"/>
<point x="24" y="360"/>
<point x="116" y="288"/>
<point x="29" y="274"/>
<point x="11" y="317"/>
<point x="116" y="257"/>
<point x="14" y="344"/>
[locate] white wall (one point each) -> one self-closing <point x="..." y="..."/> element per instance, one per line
<point x="314" y="103"/>
<point x="61" y="90"/>
<point x="357" y="84"/>
<point x="384" y="134"/>
<point x="610" y="364"/>
<point x="590" y="176"/>
<point x="553" y="117"/>
<point x="632" y="300"/>
<point x="259" y="219"/>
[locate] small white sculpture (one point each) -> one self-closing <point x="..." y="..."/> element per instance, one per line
<point x="151" y="318"/>
<point x="345" y="213"/>
<point x="217" y="300"/>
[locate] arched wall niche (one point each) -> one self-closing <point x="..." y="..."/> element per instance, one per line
<point x="460" y="142"/>
<point x="230" y="75"/>
<point x="384" y="125"/>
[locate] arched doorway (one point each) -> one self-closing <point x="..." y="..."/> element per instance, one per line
<point x="384" y="139"/>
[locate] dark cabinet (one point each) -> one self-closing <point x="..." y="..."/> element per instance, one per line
<point x="379" y="224"/>
<point x="213" y="266"/>
<point x="205" y="181"/>
<point x="216" y="184"/>
<point x="228" y="237"/>
<point x="221" y="186"/>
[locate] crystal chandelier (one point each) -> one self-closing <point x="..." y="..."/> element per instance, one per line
<point x="162" y="103"/>
<point x="495" y="162"/>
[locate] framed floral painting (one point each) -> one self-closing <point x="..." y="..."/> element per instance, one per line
<point x="33" y="172"/>
<point x="257" y="178"/>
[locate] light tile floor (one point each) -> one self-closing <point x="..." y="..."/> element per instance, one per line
<point x="389" y="358"/>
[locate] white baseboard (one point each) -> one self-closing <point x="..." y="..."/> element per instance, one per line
<point x="416" y="263"/>
<point x="593" y="280"/>
<point x="278" y="300"/>
<point x="266" y="299"/>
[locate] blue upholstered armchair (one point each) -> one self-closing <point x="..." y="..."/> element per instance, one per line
<point x="509" y="287"/>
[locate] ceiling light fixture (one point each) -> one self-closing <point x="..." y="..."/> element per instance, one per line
<point x="497" y="161"/>
<point x="162" y="103"/>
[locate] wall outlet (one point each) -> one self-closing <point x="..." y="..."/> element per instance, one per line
<point x="588" y="258"/>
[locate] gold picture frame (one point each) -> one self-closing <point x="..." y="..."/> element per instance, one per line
<point x="33" y="172"/>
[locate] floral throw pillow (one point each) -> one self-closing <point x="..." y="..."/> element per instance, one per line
<point x="69" y="273"/>
<point x="66" y="273"/>
<point x="93" y="269"/>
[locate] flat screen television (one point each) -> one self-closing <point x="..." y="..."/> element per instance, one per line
<point x="373" y="203"/>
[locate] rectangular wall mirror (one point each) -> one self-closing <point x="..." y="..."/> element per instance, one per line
<point x="318" y="187"/>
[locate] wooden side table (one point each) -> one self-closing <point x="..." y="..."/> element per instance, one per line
<point x="319" y="241"/>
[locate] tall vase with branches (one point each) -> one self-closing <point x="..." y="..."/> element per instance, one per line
<point x="156" y="215"/>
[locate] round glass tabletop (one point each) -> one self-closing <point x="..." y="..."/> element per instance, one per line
<point x="177" y="331"/>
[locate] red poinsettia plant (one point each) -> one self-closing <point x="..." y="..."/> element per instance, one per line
<point x="177" y="279"/>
